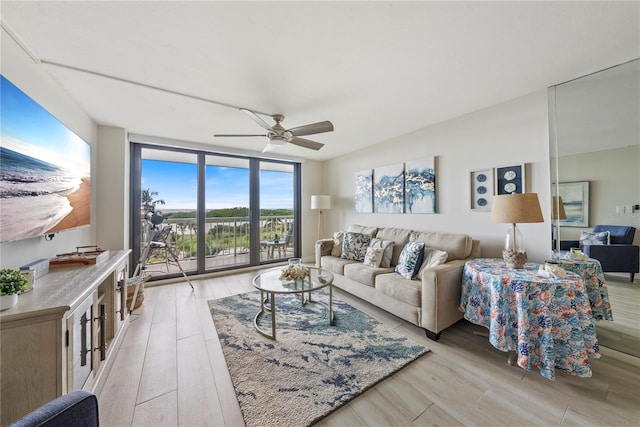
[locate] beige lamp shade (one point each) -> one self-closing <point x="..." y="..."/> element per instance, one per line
<point x="320" y="202"/>
<point x="516" y="208"/>
<point x="557" y="208"/>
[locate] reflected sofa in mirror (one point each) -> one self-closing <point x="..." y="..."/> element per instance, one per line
<point x="594" y="129"/>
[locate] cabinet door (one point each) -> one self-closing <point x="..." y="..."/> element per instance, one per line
<point x="80" y="344"/>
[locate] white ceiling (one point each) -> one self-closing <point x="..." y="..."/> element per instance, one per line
<point x="377" y="70"/>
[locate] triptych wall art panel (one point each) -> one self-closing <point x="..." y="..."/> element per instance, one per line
<point x="420" y="186"/>
<point x="485" y="183"/>
<point x="401" y="188"/>
<point x="388" y="189"/>
<point x="364" y="191"/>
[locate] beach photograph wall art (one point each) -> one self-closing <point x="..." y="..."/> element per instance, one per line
<point x="45" y="170"/>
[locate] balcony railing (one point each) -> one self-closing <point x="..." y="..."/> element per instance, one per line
<point x="223" y="235"/>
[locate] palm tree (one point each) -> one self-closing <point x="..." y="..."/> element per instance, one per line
<point x="146" y="199"/>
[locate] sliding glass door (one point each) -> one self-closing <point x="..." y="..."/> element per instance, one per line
<point x="211" y="211"/>
<point x="227" y="224"/>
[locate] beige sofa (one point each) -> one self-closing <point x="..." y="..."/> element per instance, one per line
<point x="430" y="301"/>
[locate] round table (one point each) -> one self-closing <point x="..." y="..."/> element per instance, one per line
<point x="546" y="321"/>
<point x="269" y="282"/>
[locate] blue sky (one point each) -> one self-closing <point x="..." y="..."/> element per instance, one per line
<point x="226" y="187"/>
<point x="31" y="130"/>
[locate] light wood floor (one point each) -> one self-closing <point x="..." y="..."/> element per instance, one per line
<point x="623" y="333"/>
<point x="170" y="371"/>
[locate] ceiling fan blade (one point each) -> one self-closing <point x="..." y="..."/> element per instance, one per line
<point x="311" y="129"/>
<point x="305" y="143"/>
<point x="256" y="118"/>
<point x="224" y="135"/>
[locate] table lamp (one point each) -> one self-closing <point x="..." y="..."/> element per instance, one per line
<point x="320" y="202"/>
<point x="515" y="208"/>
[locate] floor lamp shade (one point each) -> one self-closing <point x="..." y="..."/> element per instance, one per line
<point x="320" y="202"/>
<point x="514" y="209"/>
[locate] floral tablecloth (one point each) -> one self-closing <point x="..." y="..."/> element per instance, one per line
<point x="546" y="321"/>
<point x="593" y="277"/>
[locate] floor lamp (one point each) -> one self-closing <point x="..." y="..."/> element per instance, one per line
<point x="319" y="203"/>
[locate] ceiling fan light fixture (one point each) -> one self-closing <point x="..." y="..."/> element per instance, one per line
<point x="277" y="140"/>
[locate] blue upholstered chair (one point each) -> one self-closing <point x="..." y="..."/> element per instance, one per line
<point x="76" y="409"/>
<point x="621" y="255"/>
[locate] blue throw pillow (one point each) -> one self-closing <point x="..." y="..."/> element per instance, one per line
<point x="354" y="246"/>
<point x="410" y="260"/>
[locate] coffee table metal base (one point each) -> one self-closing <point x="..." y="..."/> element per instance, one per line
<point x="272" y="309"/>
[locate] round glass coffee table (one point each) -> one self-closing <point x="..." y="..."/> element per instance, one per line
<point x="268" y="282"/>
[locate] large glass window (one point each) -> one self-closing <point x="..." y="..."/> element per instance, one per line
<point x="276" y="211"/>
<point x="211" y="212"/>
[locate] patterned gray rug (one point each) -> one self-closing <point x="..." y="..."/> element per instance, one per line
<point x="312" y="368"/>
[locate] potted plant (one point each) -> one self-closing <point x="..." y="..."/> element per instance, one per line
<point x="12" y="282"/>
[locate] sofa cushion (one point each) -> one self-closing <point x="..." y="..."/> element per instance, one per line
<point x="410" y="260"/>
<point x="433" y="257"/>
<point x="354" y="246"/>
<point x="336" y="250"/>
<point x="400" y="237"/>
<point x="397" y="287"/>
<point x="335" y="264"/>
<point x="601" y="238"/>
<point x="458" y="246"/>
<point x="370" y="231"/>
<point x="387" y="247"/>
<point x="363" y="273"/>
<point x="373" y="257"/>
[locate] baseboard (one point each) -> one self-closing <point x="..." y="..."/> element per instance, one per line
<point x="618" y="355"/>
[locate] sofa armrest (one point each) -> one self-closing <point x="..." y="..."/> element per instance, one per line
<point x="615" y="258"/>
<point x="323" y="247"/>
<point x="441" y="288"/>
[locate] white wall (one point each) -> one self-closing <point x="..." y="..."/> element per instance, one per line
<point x="510" y="133"/>
<point x="33" y="80"/>
<point x="113" y="177"/>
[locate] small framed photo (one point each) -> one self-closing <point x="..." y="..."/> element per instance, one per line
<point x="510" y="179"/>
<point x="481" y="189"/>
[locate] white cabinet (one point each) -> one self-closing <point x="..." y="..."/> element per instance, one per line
<point x="62" y="335"/>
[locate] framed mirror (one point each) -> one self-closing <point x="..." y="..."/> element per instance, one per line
<point x="594" y="126"/>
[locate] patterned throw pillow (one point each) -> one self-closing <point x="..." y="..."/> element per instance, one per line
<point x="587" y="238"/>
<point x="410" y="260"/>
<point x="387" y="245"/>
<point x="354" y="246"/>
<point x="337" y="243"/>
<point x="373" y="257"/>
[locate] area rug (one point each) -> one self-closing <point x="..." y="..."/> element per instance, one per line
<point x="312" y="368"/>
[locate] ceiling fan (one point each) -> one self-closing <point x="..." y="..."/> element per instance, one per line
<point x="278" y="135"/>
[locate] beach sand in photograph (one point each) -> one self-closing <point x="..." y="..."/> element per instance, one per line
<point x="80" y="201"/>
